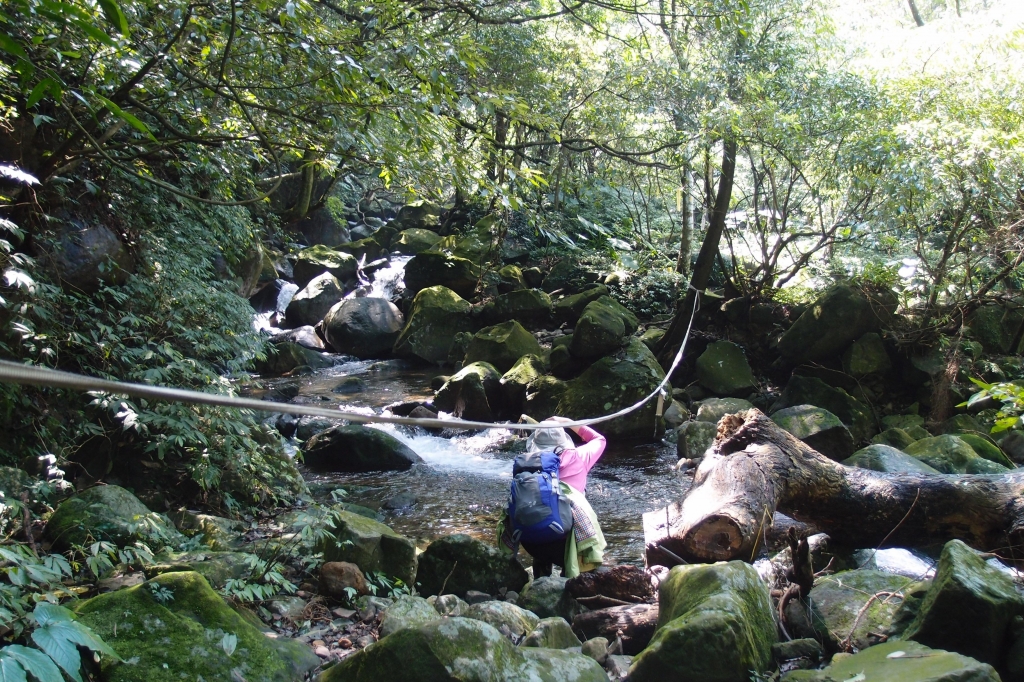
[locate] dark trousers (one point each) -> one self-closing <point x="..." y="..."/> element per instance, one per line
<point x="545" y="555"/>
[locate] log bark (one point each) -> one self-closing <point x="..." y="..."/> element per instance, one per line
<point x="755" y="468"/>
<point x="624" y="583"/>
<point x="634" y="624"/>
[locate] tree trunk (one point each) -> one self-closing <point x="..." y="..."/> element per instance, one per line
<point x="755" y="468"/>
<point x="686" y="234"/>
<point x="917" y="15"/>
<point x="634" y="624"/>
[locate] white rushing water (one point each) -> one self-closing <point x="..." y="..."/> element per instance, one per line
<point x="470" y="453"/>
<point x="387" y="283"/>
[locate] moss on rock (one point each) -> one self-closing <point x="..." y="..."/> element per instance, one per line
<point x="371" y="546"/>
<point x="437" y="314"/>
<point x="111" y="513"/>
<point x="502" y="345"/>
<point x="461" y="563"/>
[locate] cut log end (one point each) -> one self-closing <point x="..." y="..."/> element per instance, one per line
<point x="716" y="537"/>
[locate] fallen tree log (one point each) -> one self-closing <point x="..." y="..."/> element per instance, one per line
<point x="755" y="468"/>
<point x="634" y="624"/>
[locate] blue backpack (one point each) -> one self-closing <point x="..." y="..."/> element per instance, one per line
<point x="536" y="509"/>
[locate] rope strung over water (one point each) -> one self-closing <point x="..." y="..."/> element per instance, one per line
<point x="32" y="375"/>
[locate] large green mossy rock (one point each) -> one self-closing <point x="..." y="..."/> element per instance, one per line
<point x="407" y="612"/>
<point x="713" y="409"/>
<point x="216" y="567"/>
<point x="529" y="307"/>
<point x="110" y="513"/>
<point x="969" y="607"/>
<point x="468" y="564"/>
<point x="314" y="301"/>
<point x="316" y="260"/>
<point x="517" y="381"/>
<point x="358" y="449"/>
<point x="867" y="356"/>
<point x="543" y="397"/>
<point x="547" y="597"/>
<point x="900" y="662"/>
<point x="287" y="356"/>
<point x="694" y="438"/>
<point x="841" y="315"/>
<point x="896" y="438"/>
<point x="854" y="414"/>
<point x="723" y="369"/>
<point x="502" y="345"/>
<point x="183" y="637"/>
<point x="615" y="382"/>
<point x="431" y="268"/>
<point x="413" y="241"/>
<point x="948" y="454"/>
<point x="371" y="546"/>
<point x="419" y="214"/>
<point x="817" y="427"/>
<point x="460" y="650"/>
<point x="602" y="328"/>
<point x="715" y="624"/>
<point x="436" y="315"/>
<point x="474" y="393"/>
<point x="888" y="460"/>
<point x="515" y="619"/>
<point x="568" y="309"/>
<point x="995" y="326"/>
<point x="552" y="633"/>
<point x="986" y="449"/>
<point x="366" y="250"/>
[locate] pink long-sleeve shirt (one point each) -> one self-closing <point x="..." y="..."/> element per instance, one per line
<point x="576" y="463"/>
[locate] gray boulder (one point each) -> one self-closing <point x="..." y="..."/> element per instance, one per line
<point x="358" y="449"/>
<point x="723" y="369"/>
<point x="407" y="612"/>
<point x="471" y="564"/>
<point x="371" y="546"/>
<point x="474" y="393"/>
<point x="902" y="662"/>
<point x="547" y="597"/>
<point x="552" y="633"/>
<point x="841" y="315"/>
<point x="436" y="316"/>
<point x="694" y="438"/>
<point x="363" y="327"/>
<point x="817" y="427"/>
<point x="314" y="301"/>
<point x="713" y="409"/>
<point x="889" y="460"/>
<point x="516" y="620"/>
<point x="316" y="260"/>
<point x="86" y="256"/>
<point x="602" y="328"/>
<point x="854" y="414"/>
<point x="284" y="356"/>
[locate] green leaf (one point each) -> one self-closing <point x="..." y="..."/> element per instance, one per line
<point x="59" y="635"/>
<point x="126" y="117"/>
<point x="112" y="11"/>
<point x="40" y="90"/>
<point x="11" y="46"/>
<point x="15" y="660"/>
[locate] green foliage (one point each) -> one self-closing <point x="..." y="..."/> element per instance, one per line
<point x="160" y="593"/>
<point x="383" y="586"/>
<point x="58" y="636"/>
<point x="1011" y="398"/>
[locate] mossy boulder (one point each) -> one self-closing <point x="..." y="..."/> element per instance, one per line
<point x="474" y="393"/>
<point x="894" y="437"/>
<point x="854" y="414"/>
<point x="543" y="397"/>
<point x="432" y="268"/>
<point x="986" y="449"/>
<point x="817" y="427"/>
<point x="602" y="328"/>
<point x="407" y="612"/>
<point x="652" y="337"/>
<point x="713" y="409"/>
<point x="900" y="662"/>
<point x="363" y="327"/>
<point x="948" y="454"/>
<point x="418" y="214"/>
<point x="13" y="482"/>
<point x="694" y="438"/>
<point x="357" y="448"/>
<point x="841" y="315"/>
<point x="502" y="345"/>
<point x="316" y="260"/>
<point x="511" y="279"/>
<point x="287" y="356"/>
<point x="517" y="620"/>
<point x="218" y="533"/>
<point x="723" y="369"/>
<point x="715" y="623"/>
<point x="902" y="421"/>
<point x="436" y="315"/>
<point x="867" y="356"/>
<point x="183" y="636"/>
<point x="552" y="633"/>
<point x="216" y="567"/>
<point x="371" y="546"/>
<point x="569" y="308"/>
<point x="889" y="460"/>
<point x="110" y="513"/>
<point x="366" y="249"/>
<point x="515" y="382"/>
<point x="472" y="565"/>
<point x="314" y="301"/>
<point x="413" y="241"/>
<point x="994" y="326"/>
<point x="547" y="597"/>
<point x="529" y="307"/>
<point x="477" y="244"/>
<point x="615" y="382"/>
<point x="969" y="607"/>
<point x="459" y="650"/>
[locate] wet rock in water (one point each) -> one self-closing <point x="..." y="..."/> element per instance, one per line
<point x="435" y="316"/>
<point x="723" y="369"/>
<point x="552" y="633"/>
<point x="517" y="381"/>
<point x="817" y="427"/>
<point x="596" y="648"/>
<point x="363" y="327"/>
<point x="371" y="546"/>
<point x="854" y="414"/>
<point x="676" y="414"/>
<point x="350" y="385"/>
<point x="888" y="460"/>
<point x="479" y="567"/>
<point x="798" y="653"/>
<point x="473" y="393"/>
<point x="503" y="615"/>
<point x="502" y="345"/>
<point x="841" y="315"/>
<point x="399" y="501"/>
<point x="308" y="427"/>
<point x="318" y="260"/>
<point x="431" y="268"/>
<point x="603" y="328"/>
<point x="305" y="336"/>
<point x="694" y="438"/>
<point x="218" y="533"/>
<point x="624" y="582"/>
<point x="413" y="241"/>
<point x="902" y="661"/>
<point x="217" y="567"/>
<point x="175" y="638"/>
<point x="569" y="308"/>
<point x="615" y="382"/>
<point x="893" y="437"/>
<point x="547" y="597"/>
<point x="358" y="448"/>
<point x="286" y="356"/>
<point x="948" y="454"/>
<point x="273" y="297"/>
<point x="634" y="625"/>
<point x="543" y="396"/>
<point x="969" y="607"/>
<point x="459" y="649"/>
<point x="529" y="307"/>
<point x="866" y="356"/>
<point x="713" y="409"/>
<point x="310" y="305"/>
<point x="112" y="514"/>
<point x="449" y="605"/>
<point x="407" y="612"/>
<point x="715" y="623"/>
<point x="338" y="578"/>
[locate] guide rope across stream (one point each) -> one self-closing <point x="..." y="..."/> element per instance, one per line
<point x="32" y="375"/>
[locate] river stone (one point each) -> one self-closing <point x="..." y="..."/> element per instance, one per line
<point x="365" y="250"/>
<point x="313" y="302"/>
<point x="502" y="345"/>
<point x="615" y="382"/>
<point x="994" y="326"/>
<point x="602" y="328"/>
<point x="543" y="397"/>
<point x="842" y="314"/>
<point x="480" y="567"/>
<point x="715" y="623"/>
<point x="547" y="597"/>
<point x="407" y="612"/>
<point x="867" y="356"/>
<point x="511" y="277"/>
<point x="529" y="307"/>
<point x="287" y="356"/>
<point x="916" y="664"/>
<point x="422" y="214"/>
<point x="317" y="260"/>
<point x="515" y="382"/>
<point x="896" y="438"/>
<point x="902" y="421"/>
<point x="854" y="414"/>
<point x="371" y="546"/>
<point x="518" y="621"/>
<point x="218" y="533"/>
<point x="552" y="633"/>
<point x="363" y="327"/>
<point x="176" y="639"/>
<point x="568" y="309"/>
<point x="817" y="427"/>
<point x="713" y="409"/>
<point x="338" y="578"/>
<point x="449" y="605"/>
<point x="110" y="513"/>
<point x="723" y="369"/>
<point x="436" y="315"/>
<point x="459" y="650"/>
<point x="473" y="393"/>
<point x="986" y="449"/>
<point x="413" y="241"/>
<point x="652" y="337"/>
<point x="357" y="448"/>
<point x="969" y="607"/>
<point x="889" y="460"/>
<point x="216" y="567"/>
<point x="675" y="414"/>
<point x="694" y="438"/>
<point x="948" y="454"/>
<point x="305" y="336"/>
<point x="430" y="268"/>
